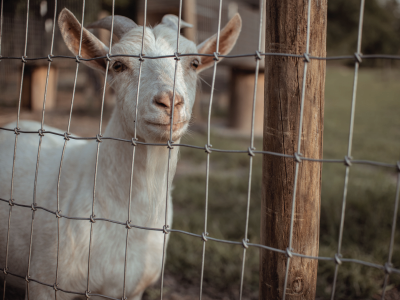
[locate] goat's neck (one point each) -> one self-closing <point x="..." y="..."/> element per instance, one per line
<point x="149" y="180"/>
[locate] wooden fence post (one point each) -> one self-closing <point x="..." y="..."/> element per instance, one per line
<point x="286" y="32"/>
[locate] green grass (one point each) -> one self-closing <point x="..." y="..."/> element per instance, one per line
<point x="370" y="199"/>
<point x="371" y="193"/>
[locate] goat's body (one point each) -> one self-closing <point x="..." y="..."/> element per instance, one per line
<point x="167" y="95"/>
<point x="76" y="196"/>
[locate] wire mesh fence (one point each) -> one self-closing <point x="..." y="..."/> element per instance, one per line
<point x="258" y="54"/>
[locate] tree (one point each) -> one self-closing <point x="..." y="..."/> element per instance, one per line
<point x="381" y="32"/>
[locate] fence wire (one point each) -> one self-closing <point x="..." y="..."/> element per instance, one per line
<point x="245" y="243"/>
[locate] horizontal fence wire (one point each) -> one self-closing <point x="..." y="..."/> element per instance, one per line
<point x="357" y="56"/>
<point x="242" y="243"/>
<point x="348" y="161"/>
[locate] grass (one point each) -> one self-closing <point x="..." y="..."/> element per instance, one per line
<point x="369" y="207"/>
<point x="371" y="192"/>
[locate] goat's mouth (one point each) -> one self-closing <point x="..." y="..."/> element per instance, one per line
<point x="167" y="126"/>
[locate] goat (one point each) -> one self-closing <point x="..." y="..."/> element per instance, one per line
<point x="144" y="257"/>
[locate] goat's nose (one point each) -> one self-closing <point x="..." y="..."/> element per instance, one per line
<point x="164" y="100"/>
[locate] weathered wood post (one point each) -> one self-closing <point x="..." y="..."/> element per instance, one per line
<point x="286" y="32"/>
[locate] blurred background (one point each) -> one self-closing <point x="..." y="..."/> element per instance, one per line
<point x="371" y="191"/>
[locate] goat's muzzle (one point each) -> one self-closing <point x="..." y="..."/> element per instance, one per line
<point x="164" y="100"/>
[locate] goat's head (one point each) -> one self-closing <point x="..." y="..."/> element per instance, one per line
<point x="157" y="77"/>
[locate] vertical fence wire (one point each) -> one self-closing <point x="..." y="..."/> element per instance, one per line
<point x="134" y="139"/>
<point x="1" y="24"/>
<point x="207" y="148"/>
<point x="296" y="174"/>
<point x="170" y="147"/>
<point x="9" y="210"/>
<point x="389" y="265"/>
<point x="66" y="139"/>
<point x="41" y="134"/>
<point x="98" y="140"/>
<point x="1" y="34"/>
<point x="251" y="148"/>
<point x="348" y="157"/>
<point x="58" y="202"/>
<point x="16" y="139"/>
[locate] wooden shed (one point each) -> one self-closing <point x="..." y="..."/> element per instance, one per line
<point x="41" y="15"/>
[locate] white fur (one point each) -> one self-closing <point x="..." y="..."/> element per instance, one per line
<point x="113" y="181"/>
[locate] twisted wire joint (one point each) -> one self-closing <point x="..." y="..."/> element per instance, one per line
<point x="66" y="136"/>
<point x="297" y="157"/>
<point x="338" y="260"/>
<point x="289" y="253"/>
<point x="141" y="57"/>
<point x="128" y="224"/>
<point x="250" y="150"/>
<point x="92" y="220"/>
<point x="358" y="57"/>
<point x="347" y="161"/>
<point x="306" y="57"/>
<point x="165" y="229"/>
<point x="41" y="132"/>
<point x="388" y="268"/>
<point x="208" y="148"/>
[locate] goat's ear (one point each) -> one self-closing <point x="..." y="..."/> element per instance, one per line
<point x="227" y="39"/>
<point x="91" y="46"/>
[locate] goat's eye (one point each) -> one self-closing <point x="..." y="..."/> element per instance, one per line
<point x="119" y="66"/>
<point x="195" y="63"/>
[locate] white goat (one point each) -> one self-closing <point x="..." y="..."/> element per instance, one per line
<point x="114" y="167"/>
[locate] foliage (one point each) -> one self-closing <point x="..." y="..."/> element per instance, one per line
<point x="381" y="27"/>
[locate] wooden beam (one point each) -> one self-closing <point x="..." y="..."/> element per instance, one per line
<point x="38" y="84"/>
<point x="241" y="104"/>
<point x="286" y="32"/>
<point x="189" y="15"/>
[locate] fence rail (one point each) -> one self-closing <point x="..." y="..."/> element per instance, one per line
<point x="251" y="151"/>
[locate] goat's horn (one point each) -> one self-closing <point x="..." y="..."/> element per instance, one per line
<point x="172" y="21"/>
<point x="121" y="25"/>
